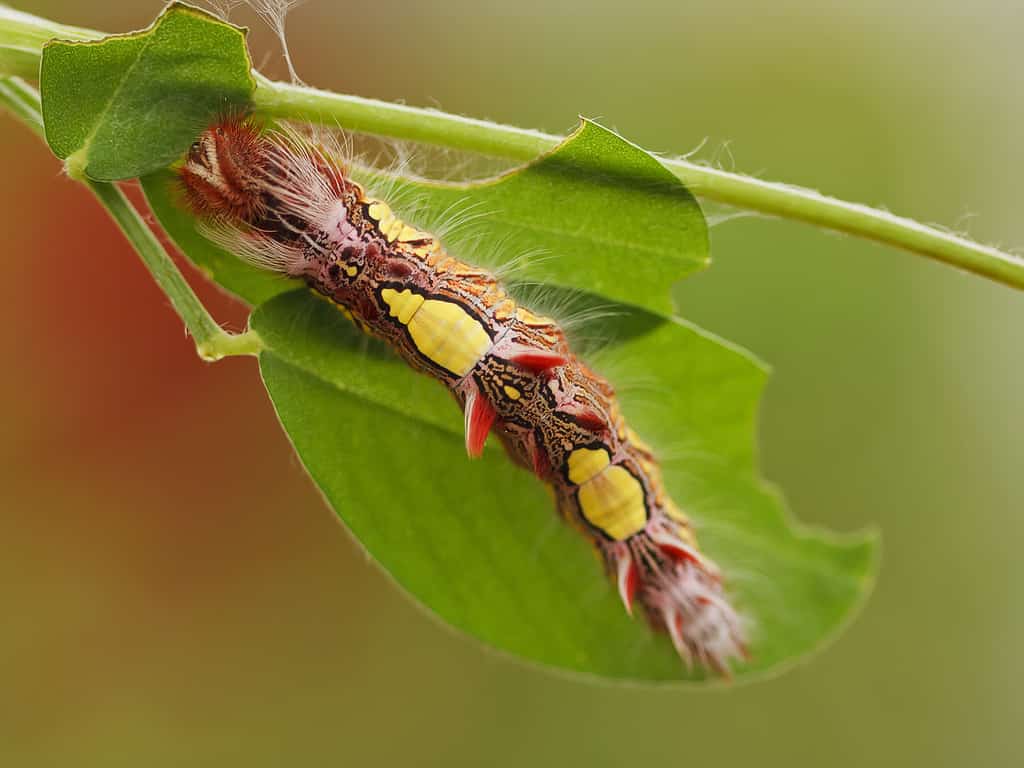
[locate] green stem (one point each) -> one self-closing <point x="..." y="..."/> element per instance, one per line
<point x="782" y="200"/>
<point x="22" y="37"/>
<point x="23" y="34"/>
<point x="22" y="100"/>
<point x="212" y="342"/>
<point x="427" y="126"/>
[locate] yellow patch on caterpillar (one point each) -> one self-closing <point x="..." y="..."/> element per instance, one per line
<point x="586" y="463"/>
<point x="390" y="226"/>
<point x="443" y="332"/>
<point x="381" y="213"/>
<point x="613" y="501"/>
<point x="402" y="305"/>
<point x="511" y="392"/>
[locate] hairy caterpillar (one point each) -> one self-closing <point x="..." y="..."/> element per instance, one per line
<point x="283" y="203"/>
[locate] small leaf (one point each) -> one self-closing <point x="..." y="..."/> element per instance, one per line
<point x="128" y="104"/>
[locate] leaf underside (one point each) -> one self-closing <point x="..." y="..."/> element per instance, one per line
<point x="478" y="542"/>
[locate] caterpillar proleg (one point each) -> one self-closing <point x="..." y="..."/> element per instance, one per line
<point x="284" y="203"/>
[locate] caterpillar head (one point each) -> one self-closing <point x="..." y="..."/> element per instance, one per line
<point x="221" y="174"/>
<point x="269" y="195"/>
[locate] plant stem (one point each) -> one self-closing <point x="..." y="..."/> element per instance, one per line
<point x="212" y="342"/>
<point x="427" y="126"/>
<point x="774" y="199"/>
<point x="23" y="34"/>
<point x="22" y="100"/>
<point x="21" y="40"/>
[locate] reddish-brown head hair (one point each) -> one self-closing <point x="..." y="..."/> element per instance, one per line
<point x="221" y="174"/>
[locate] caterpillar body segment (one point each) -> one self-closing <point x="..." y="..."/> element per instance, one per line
<point x="280" y="201"/>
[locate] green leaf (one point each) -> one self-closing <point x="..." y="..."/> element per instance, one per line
<point x="478" y="542"/>
<point x="129" y="104"/>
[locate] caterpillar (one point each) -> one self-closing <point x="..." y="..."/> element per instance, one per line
<point x="283" y="202"/>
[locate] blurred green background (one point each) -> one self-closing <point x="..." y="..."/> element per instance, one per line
<point x="175" y="593"/>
